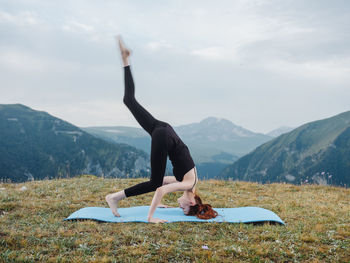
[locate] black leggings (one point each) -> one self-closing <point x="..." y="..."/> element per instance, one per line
<point x="156" y="130"/>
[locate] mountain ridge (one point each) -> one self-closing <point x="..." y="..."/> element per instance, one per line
<point x="303" y="155"/>
<point x="37" y="145"/>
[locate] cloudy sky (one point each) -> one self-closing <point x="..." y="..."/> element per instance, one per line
<point x="260" y="64"/>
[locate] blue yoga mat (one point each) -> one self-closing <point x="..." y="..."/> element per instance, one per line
<point x="139" y="214"/>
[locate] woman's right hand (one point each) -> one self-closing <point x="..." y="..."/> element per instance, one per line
<point x="157" y="220"/>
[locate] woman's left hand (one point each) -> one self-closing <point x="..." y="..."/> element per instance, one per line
<point x="157" y="220"/>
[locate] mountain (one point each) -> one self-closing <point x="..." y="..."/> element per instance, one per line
<point x="316" y="152"/>
<point x="277" y="132"/>
<point x="208" y="139"/>
<point x="214" y="143"/>
<point x="36" y="145"/>
<point x="221" y="134"/>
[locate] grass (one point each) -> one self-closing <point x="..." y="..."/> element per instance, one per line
<point x="32" y="228"/>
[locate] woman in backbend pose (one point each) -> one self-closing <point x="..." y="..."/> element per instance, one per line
<point x="165" y="142"/>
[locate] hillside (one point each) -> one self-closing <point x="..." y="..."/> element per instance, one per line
<point x="32" y="228"/>
<point x="36" y="145"/>
<point x="316" y="152"/>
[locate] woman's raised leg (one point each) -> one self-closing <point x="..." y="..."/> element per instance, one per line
<point x="143" y="117"/>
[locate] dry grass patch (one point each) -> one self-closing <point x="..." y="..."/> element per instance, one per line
<point x="32" y="228"/>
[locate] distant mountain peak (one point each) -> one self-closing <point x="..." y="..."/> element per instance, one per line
<point x="223" y="125"/>
<point x="280" y="130"/>
<point x="215" y="120"/>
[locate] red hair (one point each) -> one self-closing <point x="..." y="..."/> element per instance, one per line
<point x="202" y="211"/>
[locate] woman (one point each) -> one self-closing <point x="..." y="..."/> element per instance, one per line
<point x="165" y="142"/>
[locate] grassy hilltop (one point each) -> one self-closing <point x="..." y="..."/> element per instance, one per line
<point x="32" y="228"/>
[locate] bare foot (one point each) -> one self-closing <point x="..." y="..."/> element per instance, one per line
<point x="124" y="51"/>
<point x="113" y="204"/>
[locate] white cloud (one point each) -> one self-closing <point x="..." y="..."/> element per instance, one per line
<point x="88" y="31"/>
<point x="216" y="53"/>
<point x="333" y="70"/>
<point x="21" y="61"/>
<point x="210" y="53"/>
<point x="153" y="45"/>
<point x="22" y="18"/>
<point x="24" y="61"/>
<point x="74" y="26"/>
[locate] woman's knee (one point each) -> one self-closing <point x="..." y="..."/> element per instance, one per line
<point x="128" y="100"/>
<point x="156" y="184"/>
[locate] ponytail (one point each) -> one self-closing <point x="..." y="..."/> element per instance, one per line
<point x="202" y="211"/>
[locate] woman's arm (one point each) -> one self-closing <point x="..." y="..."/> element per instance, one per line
<point x="160" y="192"/>
<point x="167" y="180"/>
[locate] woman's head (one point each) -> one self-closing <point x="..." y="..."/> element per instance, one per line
<point x="192" y="204"/>
<point x="186" y="200"/>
